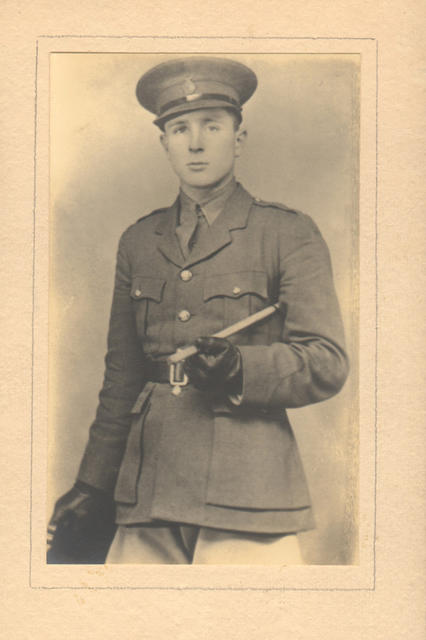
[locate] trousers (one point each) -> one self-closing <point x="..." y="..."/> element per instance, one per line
<point x="188" y="544"/>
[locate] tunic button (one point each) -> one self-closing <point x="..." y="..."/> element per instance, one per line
<point x="184" y="315"/>
<point x="186" y="275"/>
<point x="138" y="293"/>
<point x="236" y="291"/>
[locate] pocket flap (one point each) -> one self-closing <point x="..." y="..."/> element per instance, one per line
<point x="146" y="287"/>
<point x="235" y="285"/>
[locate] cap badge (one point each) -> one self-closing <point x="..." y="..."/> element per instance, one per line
<point x="189" y="87"/>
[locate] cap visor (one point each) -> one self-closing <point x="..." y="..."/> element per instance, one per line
<point x="194" y="106"/>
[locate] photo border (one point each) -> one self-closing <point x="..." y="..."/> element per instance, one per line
<point x="39" y="574"/>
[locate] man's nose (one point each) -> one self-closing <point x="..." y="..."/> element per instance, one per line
<point x="196" y="139"/>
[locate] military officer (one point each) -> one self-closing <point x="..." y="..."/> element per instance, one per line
<point x="206" y="469"/>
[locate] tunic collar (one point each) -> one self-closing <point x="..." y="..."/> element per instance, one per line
<point x="211" y="206"/>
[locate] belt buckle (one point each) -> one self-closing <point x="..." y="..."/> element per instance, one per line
<point x="177" y="377"/>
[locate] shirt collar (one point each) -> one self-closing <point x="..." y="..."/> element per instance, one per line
<point x="212" y="205"/>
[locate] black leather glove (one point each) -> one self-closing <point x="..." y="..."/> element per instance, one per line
<point x="216" y="367"/>
<point x="82" y="526"/>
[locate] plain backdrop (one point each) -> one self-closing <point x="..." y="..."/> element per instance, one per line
<point x="108" y="169"/>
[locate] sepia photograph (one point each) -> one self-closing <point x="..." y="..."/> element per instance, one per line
<point x="213" y="342"/>
<point x="203" y="398"/>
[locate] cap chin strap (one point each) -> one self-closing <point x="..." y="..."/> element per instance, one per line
<point x="199" y="96"/>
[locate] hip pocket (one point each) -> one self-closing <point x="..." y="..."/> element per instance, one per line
<point x="255" y="464"/>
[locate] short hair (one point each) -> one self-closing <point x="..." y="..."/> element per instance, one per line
<point x="236" y="116"/>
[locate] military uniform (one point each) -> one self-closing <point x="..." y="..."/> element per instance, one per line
<point x="198" y="458"/>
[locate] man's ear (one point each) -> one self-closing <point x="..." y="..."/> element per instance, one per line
<point x="240" y="139"/>
<point x="164" y="142"/>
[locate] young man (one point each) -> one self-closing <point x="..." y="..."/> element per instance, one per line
<point x="202" y="463"/>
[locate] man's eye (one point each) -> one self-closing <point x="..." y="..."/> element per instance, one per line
<point x="213" y="127"/>
<point x="179" y="129"/>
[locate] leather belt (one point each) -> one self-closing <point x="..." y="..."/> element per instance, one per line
<point x="159" y="371"/>
<point x="162" y="371"/>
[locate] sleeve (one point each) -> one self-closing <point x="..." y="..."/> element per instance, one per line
<point x="123" y="380"/>
<point x="309" y="363"/>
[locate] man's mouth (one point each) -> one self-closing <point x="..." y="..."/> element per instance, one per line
<point x="197" y="165"/>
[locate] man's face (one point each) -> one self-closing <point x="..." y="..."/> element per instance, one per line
<point x="202" y="146"/>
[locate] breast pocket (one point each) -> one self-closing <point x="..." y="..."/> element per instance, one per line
<point x="234" y="296"/>
<point x="147" y="294"/>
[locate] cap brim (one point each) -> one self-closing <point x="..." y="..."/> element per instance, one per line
<point x="207" y="103"/>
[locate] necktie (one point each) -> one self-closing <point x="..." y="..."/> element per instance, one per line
<point x="200" y="226"/>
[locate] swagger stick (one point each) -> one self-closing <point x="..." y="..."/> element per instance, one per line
<point x="186" y="352"/>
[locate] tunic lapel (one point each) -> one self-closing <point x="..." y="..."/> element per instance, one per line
<point x="218" y="236"/>
<point x="234" y="216"/>
<point x="168" y="243"/>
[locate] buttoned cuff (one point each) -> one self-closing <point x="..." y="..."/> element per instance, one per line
<point x="264" y="369"/>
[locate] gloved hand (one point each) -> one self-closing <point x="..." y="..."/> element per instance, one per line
<point x="81" y="520"/>
<point x="216" y="367"/>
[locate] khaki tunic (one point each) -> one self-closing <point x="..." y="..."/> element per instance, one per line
<point x="196" y="458"/>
